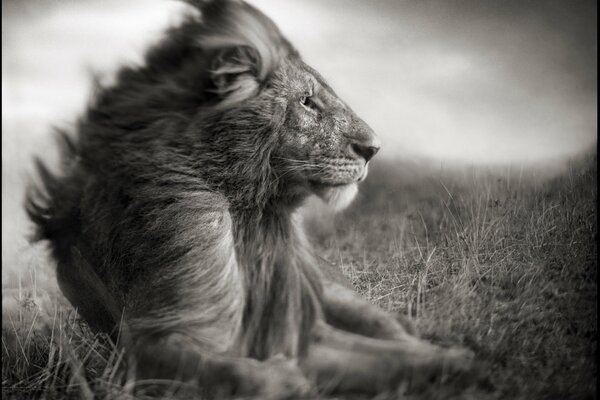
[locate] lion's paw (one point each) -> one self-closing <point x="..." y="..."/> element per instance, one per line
<point x="281" y="378"/>
<point x="453" y="366"/>
<point x="457" y="360"/>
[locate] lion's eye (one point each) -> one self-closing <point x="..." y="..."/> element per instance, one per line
<point x="307" y="102"/>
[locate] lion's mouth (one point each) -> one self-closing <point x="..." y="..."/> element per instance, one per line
<point x="327" y="183"/>
<point x="332" y="172"/>
<point x="334" y="178"/>
<point x="316" y="184"/>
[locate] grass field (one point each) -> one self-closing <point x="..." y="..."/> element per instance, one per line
<point x="500" y="260"/>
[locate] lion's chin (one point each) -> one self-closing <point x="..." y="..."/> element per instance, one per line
<point x="338" y="197"/>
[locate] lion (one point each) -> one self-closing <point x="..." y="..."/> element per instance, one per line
<point x="175" y="229"/>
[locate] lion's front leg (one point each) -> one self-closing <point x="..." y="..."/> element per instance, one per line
<point x="346" y="310"/>
<point x="340" y="361"/>
<point x="173" y="357"/>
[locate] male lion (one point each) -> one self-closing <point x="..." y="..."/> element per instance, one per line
<point x="174" y="218"/>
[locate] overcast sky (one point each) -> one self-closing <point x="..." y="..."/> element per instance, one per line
<point x="479" y="81"/>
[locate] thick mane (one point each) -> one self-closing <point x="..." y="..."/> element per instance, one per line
<point x="159" y="154"/>
<point x="283" y="286"/>
<point x="174" y="224"/>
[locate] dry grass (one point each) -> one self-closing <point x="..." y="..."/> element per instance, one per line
<point x="501" y="261"/>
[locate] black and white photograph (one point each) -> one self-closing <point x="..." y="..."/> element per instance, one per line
<point x="299" y="199"/>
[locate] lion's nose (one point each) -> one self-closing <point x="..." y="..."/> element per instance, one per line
<point x="366" y="151"/>
<point x="362" y="140"/>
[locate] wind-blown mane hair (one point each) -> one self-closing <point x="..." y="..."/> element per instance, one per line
<point x="154" y="164"/>
<point x="174" y="211"/>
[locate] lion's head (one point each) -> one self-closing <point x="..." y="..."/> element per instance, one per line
<point x="225" y="97"/>
<point x="322" y="140"/>
<point x="316" y="143"/>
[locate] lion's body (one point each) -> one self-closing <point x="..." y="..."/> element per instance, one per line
<point x="175" y="210"/>
<point x="147" y="202"/>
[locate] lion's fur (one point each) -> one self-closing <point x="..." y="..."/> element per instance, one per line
<point x="171" y="206"/>
<point x="173" y="219"/>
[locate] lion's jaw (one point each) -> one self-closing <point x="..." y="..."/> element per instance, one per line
<point x="337" y="197"/>
<point x="340" y="196"/>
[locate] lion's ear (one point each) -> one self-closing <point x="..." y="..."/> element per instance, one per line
<point x="244" y="35"/>
<point x="244" y="45"/>
<point x="235" y="72"/>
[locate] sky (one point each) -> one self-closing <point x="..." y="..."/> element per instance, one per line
<point x="480" y="81"/>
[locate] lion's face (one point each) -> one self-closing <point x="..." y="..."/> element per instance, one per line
<point x="321" y="147"/>
<point x="323" y="144"/>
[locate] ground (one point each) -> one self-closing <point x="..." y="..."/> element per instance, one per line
<point x="501" y="260"/>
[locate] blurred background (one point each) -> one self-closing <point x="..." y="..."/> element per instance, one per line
<point x="476" y="82"/>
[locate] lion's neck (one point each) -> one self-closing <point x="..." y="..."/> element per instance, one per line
<point x="264" y="237"/>
<point x="282" y="283"/>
